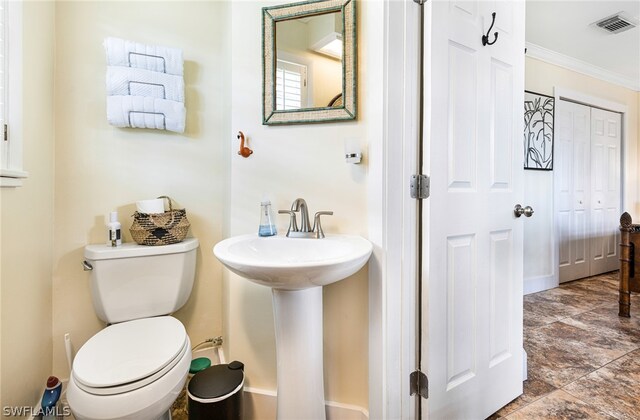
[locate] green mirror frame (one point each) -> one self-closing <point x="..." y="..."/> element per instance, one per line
<point x="270" y="16"/>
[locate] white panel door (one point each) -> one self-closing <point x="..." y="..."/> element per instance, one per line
<point x="605" y="190"/>
<point x="472" y="341"/>
<point x="572" y="156"/>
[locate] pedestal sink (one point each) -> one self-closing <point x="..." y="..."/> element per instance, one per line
<point x="295" y="269"/>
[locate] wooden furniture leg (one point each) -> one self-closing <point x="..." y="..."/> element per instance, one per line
<point x="626" y="261"/>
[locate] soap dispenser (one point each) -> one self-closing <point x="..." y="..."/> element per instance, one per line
<point x="267" y="225"/>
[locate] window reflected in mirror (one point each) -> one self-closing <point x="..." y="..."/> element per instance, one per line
<point x="291" y="86"/>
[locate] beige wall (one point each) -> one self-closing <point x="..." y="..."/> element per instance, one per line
<point x="100" y="168"/>
<point x="26" y="224"/>
<point x="301" y="161"/>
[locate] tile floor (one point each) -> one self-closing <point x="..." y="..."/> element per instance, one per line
<point x="179" y="410"/>
<point x="583" y="360"/>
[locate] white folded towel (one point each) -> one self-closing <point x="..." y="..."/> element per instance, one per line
<point x="139" y="82"/>
<point x="125" y="53"/>
<point x="146" y="112"/>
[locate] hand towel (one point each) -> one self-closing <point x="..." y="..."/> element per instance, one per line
<point x="125" y="53"/>
<point x="146" y="112"/>
<point x="139" y="82"/>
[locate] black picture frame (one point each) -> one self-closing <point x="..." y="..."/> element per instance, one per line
<point x="538" y="136"/>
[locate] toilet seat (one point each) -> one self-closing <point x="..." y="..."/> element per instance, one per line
<point x="130" y="355"/>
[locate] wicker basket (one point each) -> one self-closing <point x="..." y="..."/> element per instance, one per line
<point x="165" y="228"/>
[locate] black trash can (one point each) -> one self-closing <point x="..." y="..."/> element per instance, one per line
<point x="216" y="393"/>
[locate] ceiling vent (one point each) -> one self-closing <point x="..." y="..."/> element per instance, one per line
<point x="616" y="23"/>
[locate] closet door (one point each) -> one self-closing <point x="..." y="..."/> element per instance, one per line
<point x="605" y="190"/>
<point x="572" y="161"/>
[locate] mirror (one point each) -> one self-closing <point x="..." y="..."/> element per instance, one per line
<point x="309" y="62"/>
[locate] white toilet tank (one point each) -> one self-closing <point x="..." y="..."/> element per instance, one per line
<point x="136" y="281"/>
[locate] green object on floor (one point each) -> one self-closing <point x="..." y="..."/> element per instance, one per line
<point x="201" y="363"/>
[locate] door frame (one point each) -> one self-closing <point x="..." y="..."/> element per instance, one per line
<point x="561" y="93"/>
<point x="393" y="215"/>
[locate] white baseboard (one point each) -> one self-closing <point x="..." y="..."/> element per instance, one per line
<point x="538" y="284"/>
<point x="260" y="404"/>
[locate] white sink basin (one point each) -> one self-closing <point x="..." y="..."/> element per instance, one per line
<point x="294" y="268"/>
<point x="294" y="263"/>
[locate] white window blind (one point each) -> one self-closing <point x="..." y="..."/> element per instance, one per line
<point x="11" y="171"/>
<point x="291" y="85"/>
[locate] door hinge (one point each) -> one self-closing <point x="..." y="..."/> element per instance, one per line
<point x="419" y="186"/>
<point x="419" y="384"/>
<point x="6" y="133"/>
<point x="420" y="2"/>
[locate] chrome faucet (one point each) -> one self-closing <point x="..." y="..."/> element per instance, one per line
<point x="305" y="230"/>
<point x="300" y="205"/>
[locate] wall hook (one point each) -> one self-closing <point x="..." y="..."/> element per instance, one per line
<point x="245" y="152"/>
<point x="485" y="38"/>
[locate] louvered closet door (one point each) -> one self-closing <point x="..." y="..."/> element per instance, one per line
<point x="572" y="161"/>
<point x="605" y="190"/>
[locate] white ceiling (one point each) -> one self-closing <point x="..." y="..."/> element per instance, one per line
<point x="565" y="27"/>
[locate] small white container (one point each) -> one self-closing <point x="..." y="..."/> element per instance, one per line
<point x="150" y="206"/>
<point x="114" y="227"/>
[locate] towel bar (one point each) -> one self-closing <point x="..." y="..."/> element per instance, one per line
<point x="164" y="118"/>
<point x="164" y="65"/>
<point x="164" y="94"/>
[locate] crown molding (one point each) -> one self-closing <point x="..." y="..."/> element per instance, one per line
<point x="558" y="59"/>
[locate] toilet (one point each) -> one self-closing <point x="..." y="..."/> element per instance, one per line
<point x="135" y="367"/>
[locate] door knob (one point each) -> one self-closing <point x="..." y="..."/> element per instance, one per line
<point x="519" y="211"/>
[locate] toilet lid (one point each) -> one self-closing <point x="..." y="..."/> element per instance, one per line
<point x="129" y="352"/>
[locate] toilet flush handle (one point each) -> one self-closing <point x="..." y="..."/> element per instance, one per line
<point x="87" y="266"/>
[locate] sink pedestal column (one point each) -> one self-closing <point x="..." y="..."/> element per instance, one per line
<point x="298" y="322"/>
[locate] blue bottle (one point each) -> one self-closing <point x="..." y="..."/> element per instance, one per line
<point x="267" y="225"/>
<point x="51" y="395"/>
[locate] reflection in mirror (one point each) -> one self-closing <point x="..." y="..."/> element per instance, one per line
<point x="309" y="62"/>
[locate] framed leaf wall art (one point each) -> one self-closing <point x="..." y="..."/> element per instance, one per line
<point x="538" y="131"/>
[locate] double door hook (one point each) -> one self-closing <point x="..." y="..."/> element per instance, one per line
<point x="485" y="38"/>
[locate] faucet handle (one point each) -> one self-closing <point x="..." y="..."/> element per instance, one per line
<point x="317" y="226"/>
<point x="293" y="225"/>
